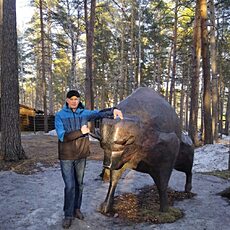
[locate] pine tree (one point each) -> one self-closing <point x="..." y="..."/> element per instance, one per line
<point x="11" y="148"/>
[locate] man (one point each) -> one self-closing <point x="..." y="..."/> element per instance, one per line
<point x="73" y="149"/>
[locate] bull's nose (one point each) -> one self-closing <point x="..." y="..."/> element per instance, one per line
<point x="112" y="160"/>
<point x="107" y="166"/>
<point x="107" y="160"/>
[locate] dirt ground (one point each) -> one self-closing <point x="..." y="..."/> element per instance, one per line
<point x="41" y="151"/>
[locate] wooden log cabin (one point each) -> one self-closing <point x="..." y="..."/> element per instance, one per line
<point x="33" y="120"/>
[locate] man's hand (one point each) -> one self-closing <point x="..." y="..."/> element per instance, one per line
<point x="85" y="129"/>
<point x="117" y="113"/>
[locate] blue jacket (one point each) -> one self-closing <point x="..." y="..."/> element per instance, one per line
<point x="72" y="144"/>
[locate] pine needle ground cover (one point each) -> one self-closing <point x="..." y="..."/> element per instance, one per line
<point x="144" y="206"/>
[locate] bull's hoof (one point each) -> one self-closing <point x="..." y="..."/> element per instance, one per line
<point x="104" y="208"/>
<point x="164" y="209"/>
<point x="188" y="188"/>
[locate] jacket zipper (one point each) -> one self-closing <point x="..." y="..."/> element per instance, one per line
<point x="75" y="125"/>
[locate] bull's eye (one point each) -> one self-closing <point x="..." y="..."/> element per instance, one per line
<point x="120" y="142"/>
<point x="118" y="146"/>
<point x="128" y="141"/>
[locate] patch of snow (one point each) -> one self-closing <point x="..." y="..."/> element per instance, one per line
<point x="52" y="132"/>
<point x="224" y="137"/>
<point x="211" y="157"/>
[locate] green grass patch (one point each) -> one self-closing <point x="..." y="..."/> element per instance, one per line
<point x="225" y="174"/>
<point x="155" y="216"/>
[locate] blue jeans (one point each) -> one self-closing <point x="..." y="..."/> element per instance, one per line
<point x="72" y="174"/>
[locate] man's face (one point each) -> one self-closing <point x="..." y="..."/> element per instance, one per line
<point x="73" y="102"/>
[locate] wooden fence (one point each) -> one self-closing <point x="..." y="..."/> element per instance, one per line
<point x="36" y="123"/>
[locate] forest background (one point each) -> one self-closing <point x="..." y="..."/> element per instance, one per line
<point x="107" y="49"/>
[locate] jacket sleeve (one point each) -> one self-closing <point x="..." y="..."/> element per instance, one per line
<point x="59" y="127"/>
<point x="104" y="113"/>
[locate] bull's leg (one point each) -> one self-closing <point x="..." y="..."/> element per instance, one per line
<point x="114" y="178"/>
<point x="168" y="147"/>
<point x="188" y="184"/>
<point x="163" y="199"/>
<point x="161" y="180"/>
<point x="184" y="163"/>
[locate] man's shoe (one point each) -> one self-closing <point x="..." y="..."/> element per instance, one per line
<point x="66" y="223"/>
<point x="79" y="215"/>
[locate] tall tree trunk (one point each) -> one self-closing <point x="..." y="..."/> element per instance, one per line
<point x="159" y="76"/>
<point x="227" y="115"/>
<point x="168" y="73"/>
<point x="221" y="76"/>
<point x="139" y="45"/>
<point x="193" y="116"/>
<point x="1" y="22"/>
<point x="50" y="74"/>
<point x="208" y="138"/>
<point x="172" y="86"/>
<point x="43" y="68"/>
<point x="201" y="113"/>
<point x="182" y="100"/>
<point x="229" y="158"/>
<point x="89" y="54"/>
<point x="131" y="80"/>
<point x="38" y="79"/>
<point x="122" y="57"/>
<point x="187" y="111"/>
<point x="72" y="79"/>
<point x="214" y="72"/>
<point x="103" y="85"/>
<point x="221" y="103"/>
<point x="11" y="148"/>
<point x="115" y="92"/>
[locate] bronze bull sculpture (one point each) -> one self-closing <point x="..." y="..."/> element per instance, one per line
<point x="148" y="140"/>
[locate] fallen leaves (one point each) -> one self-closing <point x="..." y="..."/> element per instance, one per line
<point x="144" y="206"/>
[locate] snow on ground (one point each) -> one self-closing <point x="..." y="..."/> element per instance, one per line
<point x="211" y="157"/>
<point x="52" y="132"/>
<point x="32" y="202"/>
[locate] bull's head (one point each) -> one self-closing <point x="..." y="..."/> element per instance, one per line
<point x="119" y="139"/>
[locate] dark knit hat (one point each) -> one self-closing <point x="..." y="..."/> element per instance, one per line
<point x="72" y="93"/>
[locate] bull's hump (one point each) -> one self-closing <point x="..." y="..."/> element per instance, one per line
<point x="152" y="109"/>
<point x="147" y="104"/>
